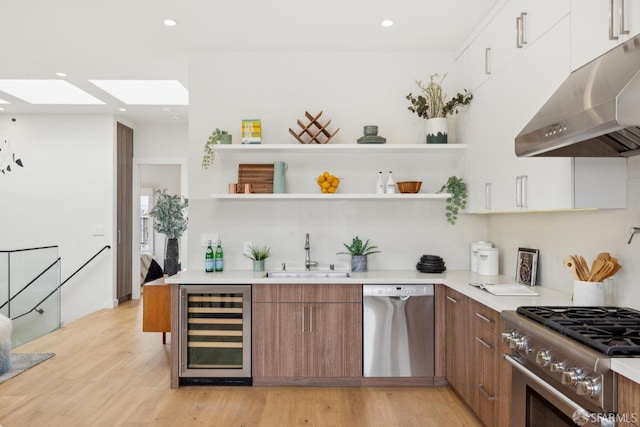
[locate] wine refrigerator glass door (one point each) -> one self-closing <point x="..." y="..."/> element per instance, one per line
<point x="215" y="338"/>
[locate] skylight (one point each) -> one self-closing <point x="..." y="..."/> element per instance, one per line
<point x="146" y="92"/>
<point x="47" y="92"/>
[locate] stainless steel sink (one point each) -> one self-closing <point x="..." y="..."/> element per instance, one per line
<point x="307" y="274"/>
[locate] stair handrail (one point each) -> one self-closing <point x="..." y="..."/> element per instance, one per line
<point x="35" y="307"/>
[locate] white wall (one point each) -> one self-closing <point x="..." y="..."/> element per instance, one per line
<point x="65" y="188"/>
<point x="586" y="233"/>
<point x="353" y="90"/>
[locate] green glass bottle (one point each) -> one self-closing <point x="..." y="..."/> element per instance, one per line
<point x="209" y="263"/>
<point x="219" y="257"/>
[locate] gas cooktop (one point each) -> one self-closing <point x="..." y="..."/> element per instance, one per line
<point x="613" y="331"/>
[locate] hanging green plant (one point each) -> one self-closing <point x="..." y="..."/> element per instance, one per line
<point x="209" y="152"/>
<point x="458" y="200"/>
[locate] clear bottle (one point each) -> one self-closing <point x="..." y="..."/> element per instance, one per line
<point x="219" y="258"/>
<point x="209" y="262"/>
<point x="380" y="184"/>
<point x="391" y="184"/>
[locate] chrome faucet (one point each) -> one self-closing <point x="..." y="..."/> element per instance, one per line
<point x="307" y="259"/>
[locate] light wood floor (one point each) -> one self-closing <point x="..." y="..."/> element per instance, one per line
<point x="106" y="372"/>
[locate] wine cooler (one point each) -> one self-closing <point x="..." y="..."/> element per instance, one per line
<point x="215" y="338"/>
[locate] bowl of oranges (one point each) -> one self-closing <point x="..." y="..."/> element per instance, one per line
<point x="328" y="183"/>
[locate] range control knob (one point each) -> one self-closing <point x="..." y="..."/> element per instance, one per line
<point x="557" y="367"/>
<point x="543" y="358"/>
<point x="507" y="335"/>
<point x="518" y="343"/>
<point x="571" y="376"/>
<point x="588" y="387"/>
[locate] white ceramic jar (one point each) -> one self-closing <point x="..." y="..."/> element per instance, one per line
<point x="474" y="253"/>
<point x="488" y="260"/>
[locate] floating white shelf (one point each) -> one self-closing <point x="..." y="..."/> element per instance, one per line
<point x="335" y="196"/>
<point x="327" y="148"/>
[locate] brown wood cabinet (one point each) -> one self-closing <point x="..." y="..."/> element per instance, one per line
<point x="306" y="331"/>
<point x="156" y="308"/>
<point x="456" y="340"/>
<point x="628" y="402"/>
<point x="475" y="367"/>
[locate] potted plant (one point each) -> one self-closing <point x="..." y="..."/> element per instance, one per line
<point x="217" y="137"/>
<point x="431" y="105"/>
<point x="169" y="218"/>
<point x="359" y="252"/>
<point x="258" y="255"/>
<point x="458" y="200"/>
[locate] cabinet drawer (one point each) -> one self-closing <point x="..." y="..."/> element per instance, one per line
<point x="484" y="316"/>
<point x="306" y="293"/>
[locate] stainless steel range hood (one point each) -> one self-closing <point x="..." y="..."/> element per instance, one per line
<point x="594" y="113"/>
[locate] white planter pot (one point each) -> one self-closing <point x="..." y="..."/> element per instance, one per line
<point x="437" y="130"/>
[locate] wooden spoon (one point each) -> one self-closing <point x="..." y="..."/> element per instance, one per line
<point x="582" y="274"/>
<point x="584" y="266"/>
<point x="597" y="264"/>
<point x="604" y="272"/>
<point x="569" y="265"/>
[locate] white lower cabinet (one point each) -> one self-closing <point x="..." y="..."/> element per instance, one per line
<point x="499" y="181"/>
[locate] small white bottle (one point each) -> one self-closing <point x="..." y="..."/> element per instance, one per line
<point x="380" y="184"/>
<point x="391" y="184"/>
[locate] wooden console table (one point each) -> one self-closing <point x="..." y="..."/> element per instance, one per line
<point x="156" y="308"/>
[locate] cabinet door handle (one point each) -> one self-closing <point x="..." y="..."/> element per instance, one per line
<point x="487" y="57"/>
<point x="485" y="318"/>
<point x="452" y="299"/>
<point x="304" y="309"/>
<point x="310" y="318"/>
<point x="484" y="392"/>
<point x="518" y="192"/>
<point x="622" y="8"/>
<point x="487" y="196"/>
<point x="611" y="19"/>
<point x="523" y="18"/>
<point x="519" y="32"/>
<point x="484" y="343"/>
<point x="523" y="191"/>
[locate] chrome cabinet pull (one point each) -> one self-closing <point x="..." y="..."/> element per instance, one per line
<point x="485" y="318"/>
<point x="523" y="191"/>
<point x="523" y="40"/>
<point x="452" y="299"/>
<point x="304" y="309"/>
<point x="622" y="8"/>
<point x="310" y="318"/>
<point x="487" y="196"/>
<point x="484" y="343"/>
<point x="518" y="194"/>
<point x="487" y="56"/>
<point x="611" y="18"/>
<point x="484" y="392"/>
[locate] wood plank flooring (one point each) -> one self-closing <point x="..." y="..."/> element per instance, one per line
<point x="107" y="372"/>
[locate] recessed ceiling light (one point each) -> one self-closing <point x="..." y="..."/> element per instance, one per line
<point x="174" y="117"/>
<point x="165" y="109"/>
<point x="146" y="92"/>
<point x="50" y="92"/>
<point x="122" y="109"/>
<point x="61" y="74"/>
<point x="387" y="23"/>
<point x="170" y="22"/>
<point x="1" y="108"/>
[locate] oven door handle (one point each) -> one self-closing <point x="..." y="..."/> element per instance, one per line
<point x="542" y="383"/>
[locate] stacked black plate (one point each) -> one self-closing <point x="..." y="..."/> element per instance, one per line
<point x="431" y="264"/>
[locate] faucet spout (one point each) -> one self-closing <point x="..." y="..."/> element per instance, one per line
<point x="307" y="259"/>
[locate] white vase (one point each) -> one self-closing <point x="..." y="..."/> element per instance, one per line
<point x="437" y="130"/>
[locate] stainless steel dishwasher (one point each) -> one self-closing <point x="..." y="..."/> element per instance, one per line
<point x="398" y="323"/>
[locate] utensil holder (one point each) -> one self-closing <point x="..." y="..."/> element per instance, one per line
<point x="588" y="293"/>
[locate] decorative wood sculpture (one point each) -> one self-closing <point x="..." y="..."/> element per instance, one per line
<point x="314" y="132"/>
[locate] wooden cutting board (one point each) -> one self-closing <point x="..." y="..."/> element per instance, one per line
<point x="260" y="175"/>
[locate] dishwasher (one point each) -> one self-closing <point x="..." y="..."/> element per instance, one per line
<point x="398" y="330"/>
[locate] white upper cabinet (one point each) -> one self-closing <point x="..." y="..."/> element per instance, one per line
<point x="600" y="25"/>
<point x="499" y="181"/>
<point x="515" y="25"/>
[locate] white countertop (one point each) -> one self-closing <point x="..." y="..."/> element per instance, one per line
<point x="456" y="280"/>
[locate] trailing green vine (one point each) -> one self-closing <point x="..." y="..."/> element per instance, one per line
<point x="458" y="200"/>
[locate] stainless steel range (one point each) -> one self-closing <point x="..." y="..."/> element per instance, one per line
<point x="561" y="359"/>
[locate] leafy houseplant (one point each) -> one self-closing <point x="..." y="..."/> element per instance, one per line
<point x="458" y="200"/>
<point x="169" y="218"/>
<point x="359" y="252"/>
<point x="209" y="152"/>
<point x="431" y="105"/>
<point x="258" y="255"/>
